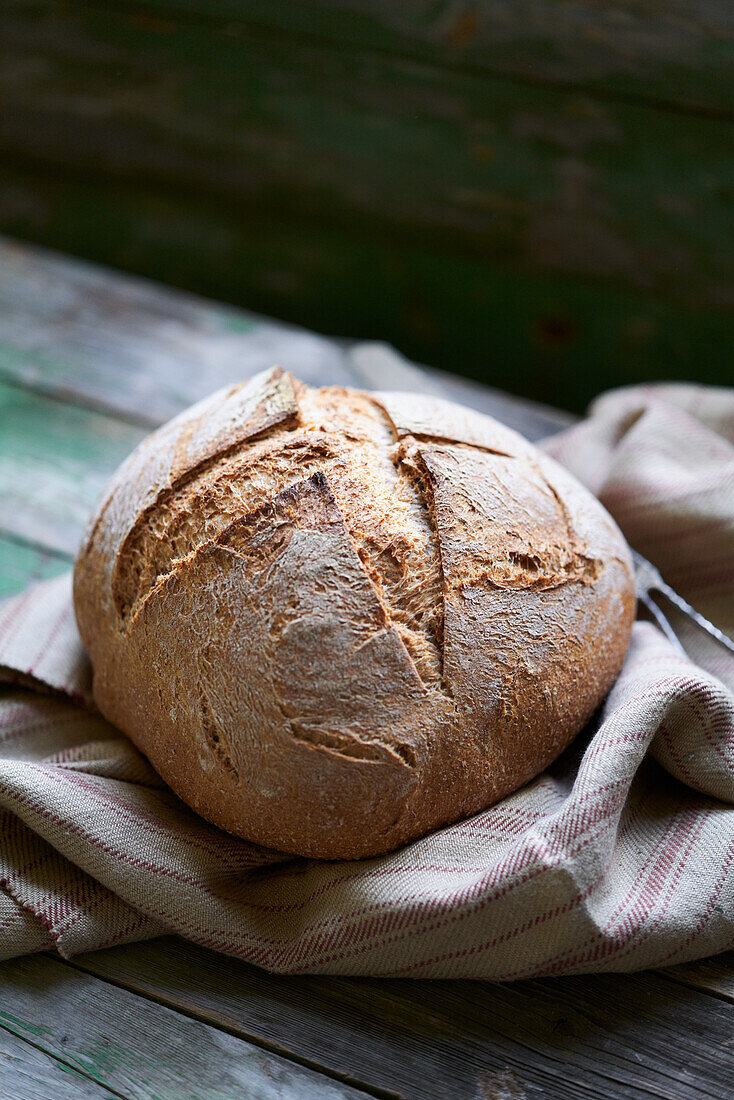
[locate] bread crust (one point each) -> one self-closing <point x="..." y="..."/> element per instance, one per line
<point x="336" y="621"/>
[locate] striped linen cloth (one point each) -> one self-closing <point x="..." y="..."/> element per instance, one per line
<point x="619" y="857"/>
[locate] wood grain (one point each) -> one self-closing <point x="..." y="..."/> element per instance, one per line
<point x="27" y="1073"/>
<point x="136" y="348"/>
<point x="540" y="179"/>
<point x="144" y="352"/>
<point x="566" y="1038"/>
<point x="139" y="1049"/>
<point x="562" y="339"/>
<point x="714" y="975"/>
<point x="22" y="564"/>
<point x="679" y="52"/>
<point x="543" y="238"/>
<point x="54" y="460"/>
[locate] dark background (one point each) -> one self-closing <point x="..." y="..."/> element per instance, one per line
<point x="535" y="193"/>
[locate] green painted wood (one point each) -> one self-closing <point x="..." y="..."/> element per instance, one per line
<point x="680" y="52"/>
<point x="136" y="348"/>
<point x="610" y="1036"/>
<point x="624" y="1036"/>
<point x="546" y="238"/>
<point x="54" y="461"/>
<point x="56" y="455"/>
<point x="714" y="975"/>
<point x="144" y="352"/>
<point x="559" y="339"/>
<point x="141" y="1050"/>
<point x="380" y="367"/>
<point x="540" y="179"/>
<point x="22" y="564"/>
<point x="27" y="1073"/>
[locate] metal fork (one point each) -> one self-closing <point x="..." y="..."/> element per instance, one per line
<point x="649" y="581"/>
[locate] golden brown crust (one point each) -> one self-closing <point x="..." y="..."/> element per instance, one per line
<point x="335" y="621"/>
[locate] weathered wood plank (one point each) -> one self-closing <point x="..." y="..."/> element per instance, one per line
<point x="140" y="1049"/>
<point x="22" y="564"/>
<point x="145" y="352"/>
<point x="561" y="339"/>
<point x="55" y="458"/>
<point x="135" y="347"/>
<point x="543" y="179"/>
<point x="54" y="461"/>
<point x="632" y="1036"/>
<point x="680" y="52"/>
<point x="533" y="420"/>
<point x="26" y="1073"/>
<point x="380" y="367"/>
<point x="710" y="975"/>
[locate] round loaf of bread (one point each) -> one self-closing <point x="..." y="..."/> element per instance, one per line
<point x="335" y="621"/>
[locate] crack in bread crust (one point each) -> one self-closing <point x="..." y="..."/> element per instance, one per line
<point x="336" y="636"/>
<point x="387" y="518"/>
<point x="413" y="471"/>
<point x="350" y="439"/>
<point x="510" y="531"/>
<point x="383" y="488"/>
<point x="335" y="740"/>
<point x="198" y="508"/>
<point x="215" y="738"/>
<point x="296" y="589"/>
<point x="442" y="440"/>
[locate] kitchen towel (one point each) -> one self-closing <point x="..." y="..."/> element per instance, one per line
<point x="618" y="857"/>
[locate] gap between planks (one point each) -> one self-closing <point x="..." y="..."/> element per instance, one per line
<point x="78" y="399"/>
<point x="137" y="1048"/>
<point x="585" y="1030"/>
<point x="39" y="547"/>
<point x="713" y="976"/>
<point x="15" y="1049"/>
<point x="224" y="23"/>
<point x="201" y="1016"/>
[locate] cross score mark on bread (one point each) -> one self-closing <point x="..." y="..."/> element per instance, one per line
<point x="335" y="621"/>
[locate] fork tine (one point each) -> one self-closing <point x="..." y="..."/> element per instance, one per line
<point x="647" y="580"/>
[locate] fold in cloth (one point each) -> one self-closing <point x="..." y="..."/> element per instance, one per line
<point x="619" y="857"/>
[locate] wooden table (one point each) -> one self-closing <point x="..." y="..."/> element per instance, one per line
<point x="89" y="361"/>
<point x="538" y="189"/>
